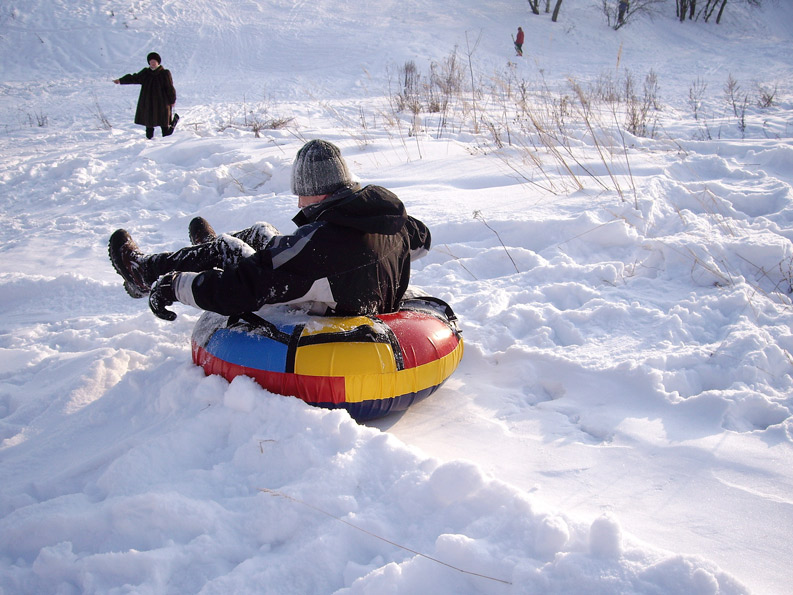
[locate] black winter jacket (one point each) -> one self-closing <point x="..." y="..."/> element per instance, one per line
<point x="157" y="95"/>
<point x="350" y="255"/>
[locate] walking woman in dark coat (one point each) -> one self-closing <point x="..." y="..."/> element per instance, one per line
<point x="157" y="96"/>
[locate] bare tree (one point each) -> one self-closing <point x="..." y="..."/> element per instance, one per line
<point x="556" y="10"/>
<point x="721" y="11"/>
<point x="712" y="5"/>
<point x="635" y="7"/>
<point x="686" y="8"/>
<point x="535" y="6"/>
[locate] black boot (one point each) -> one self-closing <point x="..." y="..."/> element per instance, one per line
<point x="200" y="231"/>
<point x="129" y="262"/>
<point x="168" y="130"/>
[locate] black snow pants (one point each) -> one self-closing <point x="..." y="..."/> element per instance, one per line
<point x="224" y="250"/>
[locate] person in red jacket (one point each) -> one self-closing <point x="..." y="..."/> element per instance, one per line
<point x="519" y="42"/>
<point x="350" y="254"/>
<point x="157" y="96"/>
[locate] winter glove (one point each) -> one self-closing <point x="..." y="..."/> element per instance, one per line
<point x="162" y="295"/>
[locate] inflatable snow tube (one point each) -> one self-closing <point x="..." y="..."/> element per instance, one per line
<point x="369" y="365"/>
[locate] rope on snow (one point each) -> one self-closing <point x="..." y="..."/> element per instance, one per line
<point x="362" y="530"/>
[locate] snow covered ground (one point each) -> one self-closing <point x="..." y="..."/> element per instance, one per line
<point x="621" y="421"/>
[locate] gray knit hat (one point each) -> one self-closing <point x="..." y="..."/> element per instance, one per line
<point x="319" y="169"/>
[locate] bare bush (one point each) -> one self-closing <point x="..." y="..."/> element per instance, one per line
<point x="737" y="100"/>
<point x="732" y="91"/>
<point x="742" y="115"/>
<point x="695" y="95"/>
<point x="260" y="118"/>
<point x="446" y="81"/>
<point x="434" y="93"/>
<point x="37" y="119"/>
<point x="766" y="96"/>
<point x="409" y="94"/>
<point x="635" y="7"/>
<point x="639" y="119"/>
<point x="104" y="123"/>
<point x="606" y="88"/>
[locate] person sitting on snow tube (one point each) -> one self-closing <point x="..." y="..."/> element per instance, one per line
<point x="350" y="254"/>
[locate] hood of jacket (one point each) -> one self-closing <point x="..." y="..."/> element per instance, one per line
<point x="372" y="209"/>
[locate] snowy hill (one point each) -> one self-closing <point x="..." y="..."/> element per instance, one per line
<point x="612" y="218"/>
